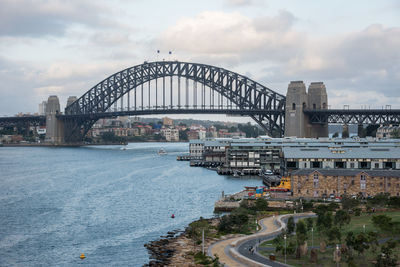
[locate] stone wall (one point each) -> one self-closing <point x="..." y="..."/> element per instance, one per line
<point x="307" y="186"/>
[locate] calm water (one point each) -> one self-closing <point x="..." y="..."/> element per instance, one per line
<point x="56" y="203"/>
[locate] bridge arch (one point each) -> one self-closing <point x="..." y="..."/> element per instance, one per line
<point x="245" y="95"/>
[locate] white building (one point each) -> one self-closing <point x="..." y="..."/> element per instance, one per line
<point x="42" y="108"/>
<point x="170" y="134"/>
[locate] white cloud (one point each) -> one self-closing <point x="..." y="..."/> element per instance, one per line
<point x="234" y="36"/>
<point x="42" y="18"/>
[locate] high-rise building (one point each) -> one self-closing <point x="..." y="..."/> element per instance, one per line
<point x="42" y="108"/>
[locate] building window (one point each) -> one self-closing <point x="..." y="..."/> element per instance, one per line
<point x="315" y="193"/>
<point x="316" y="180"/>
<point x="376" y="165"/>
<point x="299" y="191"/>
<point x="294" y="106"/>
<point x="352" y="181"/>
<point x="363" y="180"/>
<point x="352" y="165"/>
<point x="381" y="184"/>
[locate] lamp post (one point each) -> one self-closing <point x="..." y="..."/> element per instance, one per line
<point x="284" y="237"/>
<point x="312" y="237"/>
<point x="364" y="228"/>
<point x="337" y="255"/>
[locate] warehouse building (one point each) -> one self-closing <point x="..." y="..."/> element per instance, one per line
<point x="321" y="183"/>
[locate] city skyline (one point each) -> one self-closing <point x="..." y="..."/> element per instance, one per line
<point x="65" y="48"/>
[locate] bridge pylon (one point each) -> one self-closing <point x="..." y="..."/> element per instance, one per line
<point x="54" y="126"/>
<point x="297" y="123"/>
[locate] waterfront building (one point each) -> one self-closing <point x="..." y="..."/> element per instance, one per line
<point x="196" y="150"/>
<point x="387" y="131"/>
<point x="346" y="156"/>
<point x="253" y="155"/>
<point x="317" y="183"/>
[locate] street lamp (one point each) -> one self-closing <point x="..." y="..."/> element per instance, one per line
<point x="312" y="237"/>
<point x="337" y="255"/>
<point x="284" y="237"/>
<point x="364" y="228"/>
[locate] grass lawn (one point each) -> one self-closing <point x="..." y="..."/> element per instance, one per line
<point x="326" y="259"/>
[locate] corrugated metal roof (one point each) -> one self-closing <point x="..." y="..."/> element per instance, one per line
<point x="343" y="152"/>
<point x="347" y="172"/>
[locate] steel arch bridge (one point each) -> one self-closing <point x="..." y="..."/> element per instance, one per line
<point x="149" y="89"/>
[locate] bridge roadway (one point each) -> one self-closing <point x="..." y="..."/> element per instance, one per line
<point x="235" y="252"/>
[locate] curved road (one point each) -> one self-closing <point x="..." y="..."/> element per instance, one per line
<point x="235" y="252"/>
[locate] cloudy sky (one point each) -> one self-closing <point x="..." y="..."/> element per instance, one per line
<point x="65" y="47"/>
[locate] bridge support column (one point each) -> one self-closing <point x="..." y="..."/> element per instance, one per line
<point x="54" y="126"/>
<point x="317" y="99"/>
<point x="296" y="100"/>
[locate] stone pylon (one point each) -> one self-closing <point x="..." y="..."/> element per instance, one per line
<point x="54" y="126"/>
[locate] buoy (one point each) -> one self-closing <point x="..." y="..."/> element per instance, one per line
<point x="172" y="216"/>
<point x="82" y="256"/>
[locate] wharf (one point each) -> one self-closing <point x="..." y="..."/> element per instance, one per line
<point x="183" y="158"/>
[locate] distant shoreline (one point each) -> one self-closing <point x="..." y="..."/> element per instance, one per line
<point x="82" y="144"/>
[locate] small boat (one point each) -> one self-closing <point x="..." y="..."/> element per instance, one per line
<point x="123" y="148"/>
<point x="162" y="152"/>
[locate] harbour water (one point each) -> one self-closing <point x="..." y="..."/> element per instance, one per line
<point x="56" y="203"/>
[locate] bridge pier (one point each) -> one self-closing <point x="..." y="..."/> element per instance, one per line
<point x="54" y="126"/>
<point x="297" y="100"/>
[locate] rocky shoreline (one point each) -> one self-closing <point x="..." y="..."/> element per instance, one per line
<point x="176" y="249"/>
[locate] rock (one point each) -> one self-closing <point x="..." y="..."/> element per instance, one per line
<point x="322" y="246"/>
<point x="303" y="249"/>
<point x="314" y="255"/>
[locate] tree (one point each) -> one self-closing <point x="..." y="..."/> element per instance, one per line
<point x="395" y="134"/>
<point x="386" y="257"/>
<point x="341" y="218"/>
<point x="334" y="234"/>
<point x="349" y="203"/>
<point x="383" y="222"/>
<point x="371" y="130"/>
<point x="301" y="232"/>
<point x="261" y="204"/>
<point x="310" y="223"/>
<point x="345" y="134"/>
<point x="290" y="225"/>
<point x="357" y="242"/>
<point x="361" y="243"/>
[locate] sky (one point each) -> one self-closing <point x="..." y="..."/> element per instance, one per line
<point x="65" y="47"/>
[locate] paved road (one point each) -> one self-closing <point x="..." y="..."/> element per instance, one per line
<point x="222" y="248"/>
<point x="244" y="248"/>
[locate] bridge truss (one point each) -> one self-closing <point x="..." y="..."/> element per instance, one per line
<point x="172" y="87"/>
<point x="354" y="116"/>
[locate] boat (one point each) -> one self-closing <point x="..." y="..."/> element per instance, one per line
<point x="123" y="148"/>
<point x="162" y="152"/>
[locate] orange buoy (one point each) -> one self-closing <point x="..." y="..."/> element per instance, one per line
<point x="82" y="256"/>
<point x="172" y="216"/>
